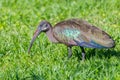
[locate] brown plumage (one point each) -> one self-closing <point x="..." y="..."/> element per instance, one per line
<point x="75" y="32"/>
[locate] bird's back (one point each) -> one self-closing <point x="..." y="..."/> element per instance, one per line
<point x="79" y="32"/>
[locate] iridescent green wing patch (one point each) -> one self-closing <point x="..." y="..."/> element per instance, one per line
<point x="71" y="33"/>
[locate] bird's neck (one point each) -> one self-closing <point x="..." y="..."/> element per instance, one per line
<point x="50" y="36"/>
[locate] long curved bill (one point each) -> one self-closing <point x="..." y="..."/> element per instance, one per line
<point x="37" y="32"/>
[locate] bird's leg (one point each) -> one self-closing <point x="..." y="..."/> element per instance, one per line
<point x="83" y="53"/>
<point x="69" y="51"/>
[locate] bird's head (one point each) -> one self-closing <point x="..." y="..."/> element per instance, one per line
<point x="44" y="26"/>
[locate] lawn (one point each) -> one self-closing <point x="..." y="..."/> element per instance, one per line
<point x="48" y="61"/>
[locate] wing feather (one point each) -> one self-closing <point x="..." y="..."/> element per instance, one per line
<point x="79" y="32"/>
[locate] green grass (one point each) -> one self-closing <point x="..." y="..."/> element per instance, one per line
<point x="47" y="61"/>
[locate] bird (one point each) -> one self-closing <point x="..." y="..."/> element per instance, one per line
<point x="74" y="32"/>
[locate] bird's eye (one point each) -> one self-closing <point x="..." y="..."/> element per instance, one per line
<point x="46" y="25"/>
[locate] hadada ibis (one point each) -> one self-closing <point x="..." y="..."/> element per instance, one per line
<point x="74" y="32"/>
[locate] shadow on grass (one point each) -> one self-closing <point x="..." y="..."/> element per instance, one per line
<point x="97" y="52"/>
<point x="34" y="76"/>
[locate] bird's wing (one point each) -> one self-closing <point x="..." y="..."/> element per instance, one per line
<point x="79" y="32"/>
